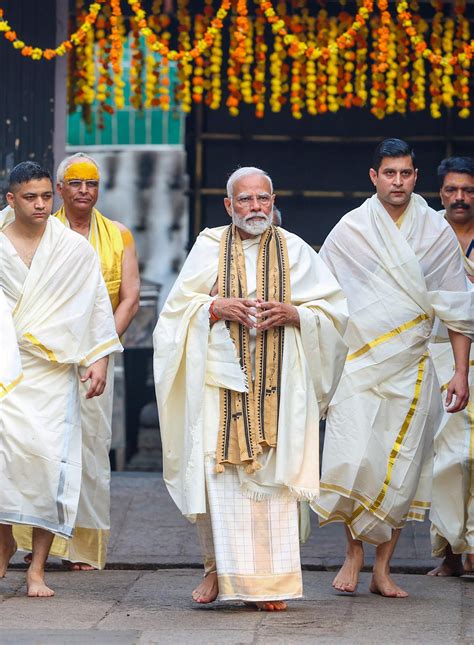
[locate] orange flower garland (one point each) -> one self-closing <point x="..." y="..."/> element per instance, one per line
<point x="316" y="62"/>
<point x="36" y="53"/>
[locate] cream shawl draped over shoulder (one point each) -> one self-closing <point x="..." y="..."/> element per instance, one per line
<point x="378" y="445"/>
<point x="452" y="507"/>
<point x="193" y="361"/>
<point x="63" y="318"/>
<point x="10" y="364"/>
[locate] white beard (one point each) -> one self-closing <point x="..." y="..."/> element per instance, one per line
<point x="252" y="228"/>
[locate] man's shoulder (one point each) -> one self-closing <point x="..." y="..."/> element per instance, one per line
<point x="435" y="218"/>
<point x="210" y="235"/>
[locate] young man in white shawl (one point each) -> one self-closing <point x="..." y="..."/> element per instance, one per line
<point x="400" y="267"/>
<point x="78" y="183"/>
<point x="452" y="505"/>
<point x="63" y="319"/>
<point x="248" y="352"/>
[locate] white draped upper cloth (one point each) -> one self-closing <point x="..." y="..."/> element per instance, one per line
<point x="377" y="460"/>
<point x="63" y="318"/>
<point x="10" y="364"/>
<point x="193" y="361"/>
<point x="452" y="506"/>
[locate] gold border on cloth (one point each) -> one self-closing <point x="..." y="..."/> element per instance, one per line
<point x="100" y="349"/>
<point x="281" y="586"/>
<point x="90" y="545"/>
<point x="373" y="506"/>
<point x="5" y="389"/>
<point x="49" y="353"/>
<point x="387" y="336"/>
<point x="401" y="435"/>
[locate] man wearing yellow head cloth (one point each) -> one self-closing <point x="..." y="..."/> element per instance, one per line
<point x="248" y="351"/>
<point x="78" y="179"/>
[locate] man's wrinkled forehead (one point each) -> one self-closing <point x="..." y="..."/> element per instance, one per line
<point x="255" y="183"/>
<point x="458" y="179"/>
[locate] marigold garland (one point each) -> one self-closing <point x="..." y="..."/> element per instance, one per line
<point x="386" y="56"/>
<point x="75" y="39"/>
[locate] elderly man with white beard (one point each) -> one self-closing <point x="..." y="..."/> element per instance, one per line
<point x="248" y="352"/>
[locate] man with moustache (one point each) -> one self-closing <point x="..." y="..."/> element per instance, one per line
<point x="452" y="506"/>
<point x="63" y="320"/>
<point x="248" y="352"/>
<point x="400" y="267"/>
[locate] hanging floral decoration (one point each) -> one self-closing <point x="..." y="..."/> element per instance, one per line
<point x="308" y="56"/>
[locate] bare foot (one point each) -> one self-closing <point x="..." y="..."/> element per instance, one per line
<point x="451" y="566"/>
<point x="347" y="578"/>
<point x="383" y="585"/>
<point x="268" y="605"/>
<point x="469" y="563"/>
<point x="36" y="586"/>
<point x="208" y="590"/>
<point x="7" y="551"/>
<point x="78" y="566"/>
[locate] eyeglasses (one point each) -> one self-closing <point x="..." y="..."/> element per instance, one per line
<point x="76" y="184"/>
<point x="245" y="201"/>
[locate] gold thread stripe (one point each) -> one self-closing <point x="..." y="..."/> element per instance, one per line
<point x="387" y="336"/>
<point x="49" y="353"/>
<point x="339" y="516"/>
<point x="401" y="435"/>
<point x="5" y="389"/>
<point x="417" y="504"/>
<point x="416" y="516"/>
<point x="100" y="349"/>
<point x="352" y="494"/>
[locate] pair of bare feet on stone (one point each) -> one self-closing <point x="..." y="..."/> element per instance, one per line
<point x="36" y="586"/>
<point x="208" y="591"/>
<point x="452" y="565"/>
<point x="381" y="583"/>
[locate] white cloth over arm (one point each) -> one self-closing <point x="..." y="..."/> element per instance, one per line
<point x="63" y="318"/>
<point x="378" y="450"/>
<point x="190" y="356"/>
<point x="10" y="364"/>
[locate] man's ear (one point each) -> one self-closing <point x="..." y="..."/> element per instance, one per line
<point x="416" y="174"/>
<point x="441" y="197"/>
<point x="228" y="206"/>
<point x="59" y="189"/>
<point x="373" y="176"/>
<point x="10" y="199"/>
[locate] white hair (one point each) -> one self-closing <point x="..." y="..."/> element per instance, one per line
<point x="245" y="172"/>
<point x="65" y="163"/>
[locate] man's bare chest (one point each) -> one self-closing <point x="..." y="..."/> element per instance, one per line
<point x="25" y="248"/>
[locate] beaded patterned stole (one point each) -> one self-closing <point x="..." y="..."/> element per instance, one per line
<point x="249" y="421"/>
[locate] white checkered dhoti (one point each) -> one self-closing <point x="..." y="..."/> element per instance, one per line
<point x="253" y="545"/>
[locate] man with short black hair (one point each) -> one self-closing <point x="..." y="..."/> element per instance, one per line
<point x="399" y="265"/>
<point x="452" y="507"/>
<point x="63" y="319"/>
<point x="78" y="183"/>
